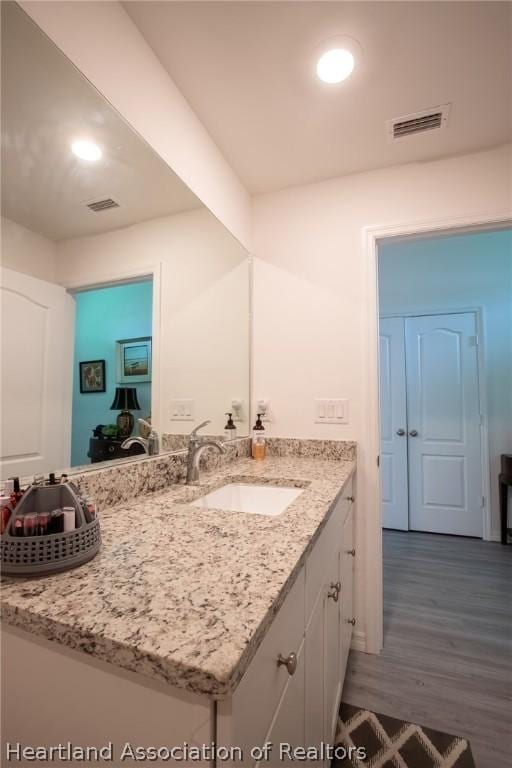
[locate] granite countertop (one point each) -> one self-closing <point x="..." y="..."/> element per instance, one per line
<point x="180" y="594"/>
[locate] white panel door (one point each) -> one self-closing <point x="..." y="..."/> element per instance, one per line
<point x="393" y="424"/>
<point x="445" y="476"/>
<point x="37" y="368"/>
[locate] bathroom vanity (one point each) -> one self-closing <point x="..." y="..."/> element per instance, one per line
<point x="193" y="625"/>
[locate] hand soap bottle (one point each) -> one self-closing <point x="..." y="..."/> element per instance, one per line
<point x="230" y="428"/>
<point x="258" y="439"/>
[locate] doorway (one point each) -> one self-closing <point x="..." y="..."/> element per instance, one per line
<point x="445" y="327"/>
<point x="431" y="416"/>
<point x="110" y="319"/>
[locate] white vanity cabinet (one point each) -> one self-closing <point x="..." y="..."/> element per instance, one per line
<point x="296" y="701"/>
<point x="289" y="693"/>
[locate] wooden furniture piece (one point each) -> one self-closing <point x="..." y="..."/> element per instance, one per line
<point x="104" y="449"/>
<point x="505" y="481"/>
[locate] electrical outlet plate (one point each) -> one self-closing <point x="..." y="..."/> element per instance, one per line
<point x="263" y="407"/>
<point x="182" y="410"/>
<point x="237" y="407"/>
<point x="331" y="411"/>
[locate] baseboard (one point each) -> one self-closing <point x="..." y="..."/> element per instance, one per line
<point x="496" y="536"/>
<point x="358" y="641"/>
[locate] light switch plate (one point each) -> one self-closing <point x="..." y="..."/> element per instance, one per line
<point x="331" y="411"/>
<point x="182" y="410"/>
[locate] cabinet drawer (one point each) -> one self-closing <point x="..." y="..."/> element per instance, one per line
<point x="323" y="551"/>
<point x="258" y="694"/>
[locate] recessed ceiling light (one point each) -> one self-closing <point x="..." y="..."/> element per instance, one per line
<point x="335" y="65"/>
<point x="86" y="150"/>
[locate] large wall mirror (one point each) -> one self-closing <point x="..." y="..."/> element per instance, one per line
<point x="123" y="297"/>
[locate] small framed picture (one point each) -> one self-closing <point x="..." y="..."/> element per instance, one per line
<point x="134" y="360"/>
<point x="92" y="376"/>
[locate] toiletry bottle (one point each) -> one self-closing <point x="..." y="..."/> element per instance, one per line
<point x="8" y="488"/>
<point x="43" y="521"/>
<point x="17" y="493"/>
<point x="230" y="429"/>
<point x="30" y="524"/>
<point x="56" y="524"/>
<point x="5" y="512"/>
<point x="91" y="509"/>
<point x="258" y="439"/>
<point x="69" y="519"/>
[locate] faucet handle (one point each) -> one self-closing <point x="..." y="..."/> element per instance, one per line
<point x="196" y="429"/>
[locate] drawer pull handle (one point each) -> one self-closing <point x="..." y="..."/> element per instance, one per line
<point x="334" y="591"/>
<point x="351" y="552"/>
<point x="351" y="498"/>
<point x="290" y="662"/>
<point x="351" y="621"/>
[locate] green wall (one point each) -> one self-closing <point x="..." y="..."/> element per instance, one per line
<point x="104" y="316"/>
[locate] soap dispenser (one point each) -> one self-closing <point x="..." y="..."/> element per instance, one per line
<point x="230" y="428"/>
<point x="258" y="439"/>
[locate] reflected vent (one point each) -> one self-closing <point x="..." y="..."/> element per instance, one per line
<point x="102" y="205"/>
<point x="434" y="119"/>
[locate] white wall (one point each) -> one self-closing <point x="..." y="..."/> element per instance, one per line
<point x="204" y="297"/>
<point x="106" y="46"/>
<point x="26" y="251"/>
<point x="451" y="273"/>
<point x="311" y="299"/>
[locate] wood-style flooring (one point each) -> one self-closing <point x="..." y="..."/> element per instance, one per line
<point x="447" y="658"/>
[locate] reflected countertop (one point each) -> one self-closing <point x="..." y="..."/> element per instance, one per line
<point x="181" y="594"/>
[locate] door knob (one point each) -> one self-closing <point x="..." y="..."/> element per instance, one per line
<point x="351" y="621"/>
<point x="400" y="432"/>
<point x="413" y="433"/>
<point x="290" y="662"/>
<point x="351" y="552"/>
<point x="334" y="591"/>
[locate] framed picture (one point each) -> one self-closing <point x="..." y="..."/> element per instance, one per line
<point x="134" y="360"/>
<point x="92" y="376"/>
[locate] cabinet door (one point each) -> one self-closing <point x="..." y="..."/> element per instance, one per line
<point x="314" y="658"/>
<point x="332" y="640"/>
<point x="347" y="591"/>
<point x="288" y="726"/>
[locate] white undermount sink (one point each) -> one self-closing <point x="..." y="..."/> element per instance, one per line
<point x="269" y="500"/>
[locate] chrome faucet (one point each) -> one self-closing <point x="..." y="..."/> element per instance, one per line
<point x="151" y="445"/>
<point x="196" y="446"/>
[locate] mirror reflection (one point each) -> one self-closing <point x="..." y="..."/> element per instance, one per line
<point x="125" y="303"/>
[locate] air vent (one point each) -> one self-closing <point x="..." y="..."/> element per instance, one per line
<point x="102" y="205"/>
<point x="434" y="119"/>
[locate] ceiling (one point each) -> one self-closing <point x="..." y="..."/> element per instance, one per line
<point x="46" y="103"/>
<point x="247" y="70"/>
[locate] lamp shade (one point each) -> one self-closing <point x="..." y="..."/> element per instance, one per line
<point x="125" y="399"/>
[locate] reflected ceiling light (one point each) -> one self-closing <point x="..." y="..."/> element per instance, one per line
<point x="86" y="150"/>
<point x="335" y="65"/>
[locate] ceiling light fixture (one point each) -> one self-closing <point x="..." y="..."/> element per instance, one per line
<point x="86" y="150"/>
<point x="335" y="65"/>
